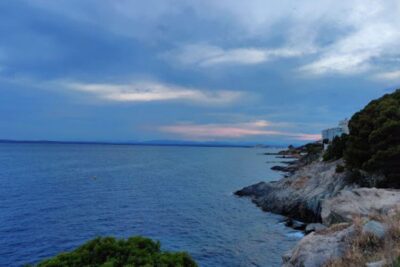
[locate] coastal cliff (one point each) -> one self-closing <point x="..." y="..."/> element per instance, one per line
<point x="338" y="213"/>
<point x="336" y="187"/>
<point x="300" y="195"/>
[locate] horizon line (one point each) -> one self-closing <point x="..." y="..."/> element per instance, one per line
<point x="148" y="143"/>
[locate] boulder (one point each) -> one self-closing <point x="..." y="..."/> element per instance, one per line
<point x="375" y="228"/>
<point x="362" y="202"/>
<point x="297" y="225"/>
<point x="317" y="249"/>
<point x="313" y="227"/>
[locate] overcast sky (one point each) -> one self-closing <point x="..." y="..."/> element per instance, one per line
<point x="256" y="70"/>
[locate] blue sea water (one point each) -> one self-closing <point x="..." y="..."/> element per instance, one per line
<point x="54" y="197"/>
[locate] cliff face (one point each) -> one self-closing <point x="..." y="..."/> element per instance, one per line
<point x="352" y="216"/>
<point x="300" y="195"/>
<point x="360" y="202"/>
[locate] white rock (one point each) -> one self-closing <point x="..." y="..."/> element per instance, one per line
<point x="361" y="202"/>
<point x="376" y="264"/>
<point x="316" y="249"/>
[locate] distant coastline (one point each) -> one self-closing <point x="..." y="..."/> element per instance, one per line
<point x="145" y="143"/>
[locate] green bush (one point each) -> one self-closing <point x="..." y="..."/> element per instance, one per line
<point x="374" y="141"/>
<point x="336" y="149"/>
<point x="110" y="252"/>
<point x="397" y="263"/>
<point x="314" y="148"/>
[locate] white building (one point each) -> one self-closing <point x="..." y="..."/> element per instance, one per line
<point x="344" y="124"/>
<point x="331" y="133"/>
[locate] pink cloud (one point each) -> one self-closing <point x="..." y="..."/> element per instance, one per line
<point x="238" y="130"/>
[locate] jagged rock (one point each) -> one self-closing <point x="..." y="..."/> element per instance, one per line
<point x="316" y="249"/>
<point x="313" y="227"/>
<point x="361" y="202"/>
<point x="300" y="195"/>
<point x="374" y="227"/>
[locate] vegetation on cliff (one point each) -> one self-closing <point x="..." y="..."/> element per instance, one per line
<point x="108" y="251"/>
<point x="336" y="149"/>
<point x="373" y="144"/>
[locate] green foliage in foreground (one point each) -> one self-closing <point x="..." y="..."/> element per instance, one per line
<point x="374" y="141"/>
<point x="110" y="252"/>
<point x="336" y="149"/>
<point x="397" y="263"/>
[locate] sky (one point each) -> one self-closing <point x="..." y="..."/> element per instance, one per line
<point x="228" y="70"/>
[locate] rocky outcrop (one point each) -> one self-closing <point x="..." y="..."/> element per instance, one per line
<point x="342" y="212"/>
<point x="318" y="248"/>
<point x="300" y="195"/>
<point x="360" y="202"/>
<point x="290" y="168"/>
<point x="315" y="192"/>
<point x="314" y="227"/>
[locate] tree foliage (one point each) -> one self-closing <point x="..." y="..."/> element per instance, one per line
<point x="374" y="141"/>
<point x="336" y="149"/>
<point x="110" y="252"/>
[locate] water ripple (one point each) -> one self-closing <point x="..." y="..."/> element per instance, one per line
<point x="50" y="201"/>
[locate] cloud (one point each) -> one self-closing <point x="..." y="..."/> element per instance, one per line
<point x="392" y="76"/>
<point x="154" y="91"/>
<point x="372" y="37"/>
<point x="236" y="130"/>
<point x="204" y="55"/>
<point x="350" y="37"/>
<point x="344" y="37"/>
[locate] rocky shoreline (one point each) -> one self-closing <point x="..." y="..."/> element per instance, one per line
<point x="300" y="195"/>
<point x="336" y="210"/>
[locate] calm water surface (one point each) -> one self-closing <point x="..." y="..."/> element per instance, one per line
<point x="54" y="197"/>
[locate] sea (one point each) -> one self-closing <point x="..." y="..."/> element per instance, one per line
<point x="54" y="197"/>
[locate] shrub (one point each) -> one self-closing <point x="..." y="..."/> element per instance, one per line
<point x="340" y="168"/>
<point x="336" y="148"/>
<point x="108" y="251"/>
<point x="374" y="141"/>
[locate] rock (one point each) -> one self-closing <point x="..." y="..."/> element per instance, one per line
<point x="362" y="202"/>
<point x="313" y="227"/>
<point x="271" y="153"/>
<point x="317" y="249"/>
<point x="374" y="227"/>
<point x="300" y="195"/>
<point x="376" y="264"/>
<point x="297" y="225"/>
<point x="287" y="256"/>
<point x="290" y="162"/>
<point x="290" y="168"/>
<point x="289" y="157"/>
